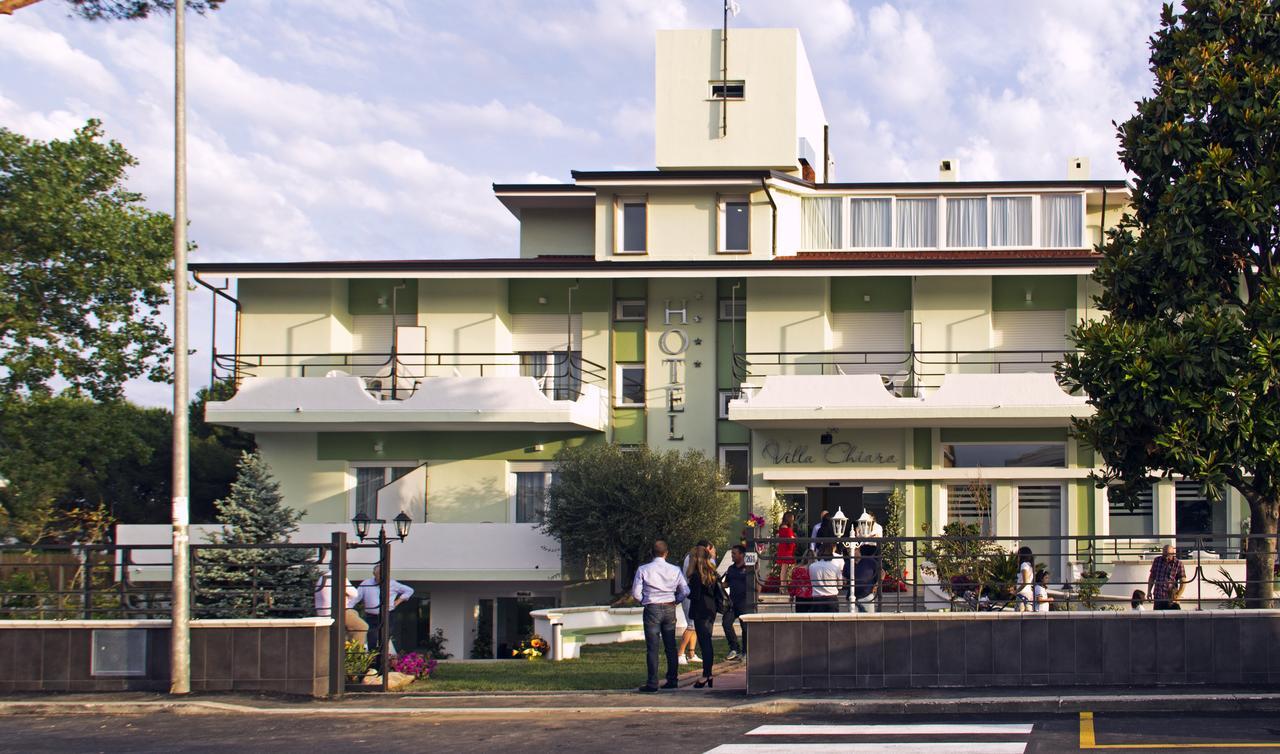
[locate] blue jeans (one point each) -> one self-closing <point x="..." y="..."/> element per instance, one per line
<point x="660" y="622"/>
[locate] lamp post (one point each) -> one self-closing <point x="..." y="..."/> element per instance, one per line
<point x="361" y="522"/>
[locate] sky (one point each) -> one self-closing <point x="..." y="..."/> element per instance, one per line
<point x="332" y="129"/>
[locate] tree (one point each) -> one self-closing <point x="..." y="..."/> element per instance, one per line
<point x="254" y="582"/>
<point x="83" y="268"/>
<point x="1184" y="371"/>
<point x="608" y="505"/>
<point x="98" y="10"/>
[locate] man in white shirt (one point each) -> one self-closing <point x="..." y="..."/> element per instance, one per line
<point x="827" y="577"/>
<point x="357" y="629"/>
<point x="659" y="586"/>
<point x="371" y="595"/>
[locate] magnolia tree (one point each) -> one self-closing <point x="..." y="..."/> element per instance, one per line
<point x="1184" y="370"/>
<point x="608" y="505"/>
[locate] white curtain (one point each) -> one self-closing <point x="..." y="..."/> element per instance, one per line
<point x="822" y="227"/>
<point x="1061" y="218"/>
<point x="1010" y="221"/>
<point x="917" y="223"/>
<point x="871" y="223"/>
<point x="967" y="222"/>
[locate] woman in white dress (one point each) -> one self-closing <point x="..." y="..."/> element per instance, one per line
<point x="1025" y="590"/>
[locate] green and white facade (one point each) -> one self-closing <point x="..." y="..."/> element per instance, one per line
<point x="828" y="341"/>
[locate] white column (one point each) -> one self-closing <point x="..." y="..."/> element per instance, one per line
<point x="1166" y="525"/>
<point x="1101" y="512"/>
<point x="1004" y="513"/>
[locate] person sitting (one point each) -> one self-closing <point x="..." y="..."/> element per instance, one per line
<point x="1137" y="600"/>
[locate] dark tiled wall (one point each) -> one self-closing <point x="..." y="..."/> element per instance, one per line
<point x="292" y="660"/>
<point x="1015" y="650"/>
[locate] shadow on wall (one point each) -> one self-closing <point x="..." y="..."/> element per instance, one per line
<point x="486" y="502"/>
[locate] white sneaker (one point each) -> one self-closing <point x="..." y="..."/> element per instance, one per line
<point x="731" y="656"/>
<point x="682" y="660"/>
<point x="695" y="658"/>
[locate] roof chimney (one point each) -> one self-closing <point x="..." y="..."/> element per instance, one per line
<point x="947" y="170"/>
<point x="1078" y="169"/>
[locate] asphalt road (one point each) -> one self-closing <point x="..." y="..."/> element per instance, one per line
<point x="619" y="733"/>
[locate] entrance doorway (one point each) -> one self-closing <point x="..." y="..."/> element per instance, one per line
<point x="873" y="498"/>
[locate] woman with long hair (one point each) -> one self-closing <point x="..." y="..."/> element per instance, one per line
<point x="706" y="598"/>
<point x="786" y="551"/>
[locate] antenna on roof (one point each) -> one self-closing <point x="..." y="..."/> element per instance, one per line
<point x="730" y="7"/>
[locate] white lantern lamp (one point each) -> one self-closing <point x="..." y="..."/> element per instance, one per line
<point x="839" y="522"/>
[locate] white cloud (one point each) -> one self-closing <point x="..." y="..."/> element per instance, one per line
<point x="822" y="23"/>
<point x="47" y="50"/>
<point x="495" y="117"/>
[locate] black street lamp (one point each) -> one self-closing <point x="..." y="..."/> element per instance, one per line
<point x="361" y="521"/>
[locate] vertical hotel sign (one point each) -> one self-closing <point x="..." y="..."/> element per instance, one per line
<point x="674" y="344"/>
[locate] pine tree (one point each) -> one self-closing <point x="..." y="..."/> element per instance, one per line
<point x="253" y="582"/>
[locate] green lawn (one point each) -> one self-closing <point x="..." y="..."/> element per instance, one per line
<point x="601" y="666"/>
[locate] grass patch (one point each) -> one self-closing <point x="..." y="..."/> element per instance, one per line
<point x="601" y="667"/>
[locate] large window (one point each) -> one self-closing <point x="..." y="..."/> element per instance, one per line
<point x="917" y="223"/>
<point x="630" y="381"/>
<point x="531" y="495"/>
<point x="1061" y="220"/>
<point x="735" y="460"/>
<point x="735" y="224"/>
<point x="821" y="227"/>
<point x="633" y="225"/>
<point x="369" y="479"/>
<point x="1010" y="221"/>
<point x="966" y="222"/>
<point x="1003" y="455"/>
<point x="870" y="223"/>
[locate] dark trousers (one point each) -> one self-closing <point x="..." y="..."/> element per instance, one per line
<point x="702" y="627"/>
<point x="374" y="619"/>
<point x="824" y="605"/>
<point x="1167" y="605"/>
<point x="729" y="624"/>
<point x="660" y="623"/>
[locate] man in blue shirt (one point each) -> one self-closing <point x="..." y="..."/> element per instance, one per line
<point x="659" y="586"/>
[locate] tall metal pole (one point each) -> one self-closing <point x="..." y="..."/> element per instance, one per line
<point x="180" y="632"/>
<point x="724" y="72"/>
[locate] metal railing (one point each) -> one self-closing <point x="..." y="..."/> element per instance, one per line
<point x="395" y="376"/>
<point x="957" y="573"/>
<point x="909" y="373"/>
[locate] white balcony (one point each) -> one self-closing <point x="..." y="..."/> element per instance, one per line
<point x="432" y="552"/>
<point x="496" y="403"/>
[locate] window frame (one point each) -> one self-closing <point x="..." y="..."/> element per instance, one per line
<point x="353" y="491"/>
<point x="722" y="222"/>
<point x="1084" y="219"/>
<point x="618" y="369"/>
<point x="721" y="452"/>
<point x="938" y="227"/>
<point x="727" y="85"/>
<point x="847" y="222"/>
<point x="620" y="203"/>
<point x="546" y="468"/>
<point x="724" y="313"/>
<point x="723" y="396"/>
<point x="1035" y="221"/>
<point x="618" y="304"/>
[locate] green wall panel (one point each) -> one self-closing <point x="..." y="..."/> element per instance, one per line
<point x="446" y="446"/>
<point x="729" y="335"/>
<point x="923" y="507"/>
<point x="590" y="296"/>
<point x="363" y="295"/>
<point x="628" y="341"/>
<point x="628" y="426"/>
<point x="923" y="439"/>
<point x="887" y="294"/>
<point x="724" y="287"/>
<point x="729" y="433"/>
<point x="1009" y="292"/>
<point x="630" y="288"/>
<point x="1008" y="434"/>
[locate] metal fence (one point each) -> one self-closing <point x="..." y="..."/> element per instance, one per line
<point x="965" y="573"/>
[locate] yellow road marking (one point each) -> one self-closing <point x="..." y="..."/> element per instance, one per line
<point x="1088" y="740"/>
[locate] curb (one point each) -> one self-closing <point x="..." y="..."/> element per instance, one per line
<point x="1261" y="702"/>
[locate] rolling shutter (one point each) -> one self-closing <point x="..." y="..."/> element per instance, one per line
<point x="1043" y="330"/>
<point x="870" y="331"/>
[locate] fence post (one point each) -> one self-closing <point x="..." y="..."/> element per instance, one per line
<point x="338" y="611"/>
<point x="384" y="609"/>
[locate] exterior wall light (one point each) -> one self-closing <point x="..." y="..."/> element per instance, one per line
<point x="839" y="522"/>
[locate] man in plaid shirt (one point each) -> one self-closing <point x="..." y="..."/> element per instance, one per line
<point x="1164" y="585"/>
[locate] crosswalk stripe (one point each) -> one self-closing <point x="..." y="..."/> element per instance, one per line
<point x="918" y="729"/>
<point x="903" y="747"/>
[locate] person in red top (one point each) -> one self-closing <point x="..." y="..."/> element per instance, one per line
<point x="801" y="586"/>
<point x="786" y="557"/>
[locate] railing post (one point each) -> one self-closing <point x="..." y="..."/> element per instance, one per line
<point x="338" y="611"/>
<point x="384" y="607"/>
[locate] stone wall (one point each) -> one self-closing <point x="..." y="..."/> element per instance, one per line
<point x="279" y="655"/>
<point x="841" y="651"/>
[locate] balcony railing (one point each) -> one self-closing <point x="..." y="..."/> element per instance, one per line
<point x="908" y="373"/>
<point x="396" y="376"/>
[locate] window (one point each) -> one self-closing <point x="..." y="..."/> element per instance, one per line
<point x="735" y="224"/>
<point x="1061" y="220"/>
<point x="821" y="228"/>
<point x="971" y="504"/>
<point x="728" y="89"/>
<point x="723" y="398"/>
<point x="531" y="495"/>
<point x="370" y="479"/>
<point x="629" y="310"/>
<point x="1138" y="522"/>
<point x="1196" y="515"/>
<point x="917" y="223"/>
<point x="1040" y="515"/>
<point x="870" y="223"/>
<point x="733" y="309"/>
<point x="1004" y="455"/>
<point x="559" y="373"/>
<point x="966" y="222"/>
<point x="1010" y="221"/>
<point x="633" y="230"/>
<point x="735" y="461"/>
<point x="630" y="381"/>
